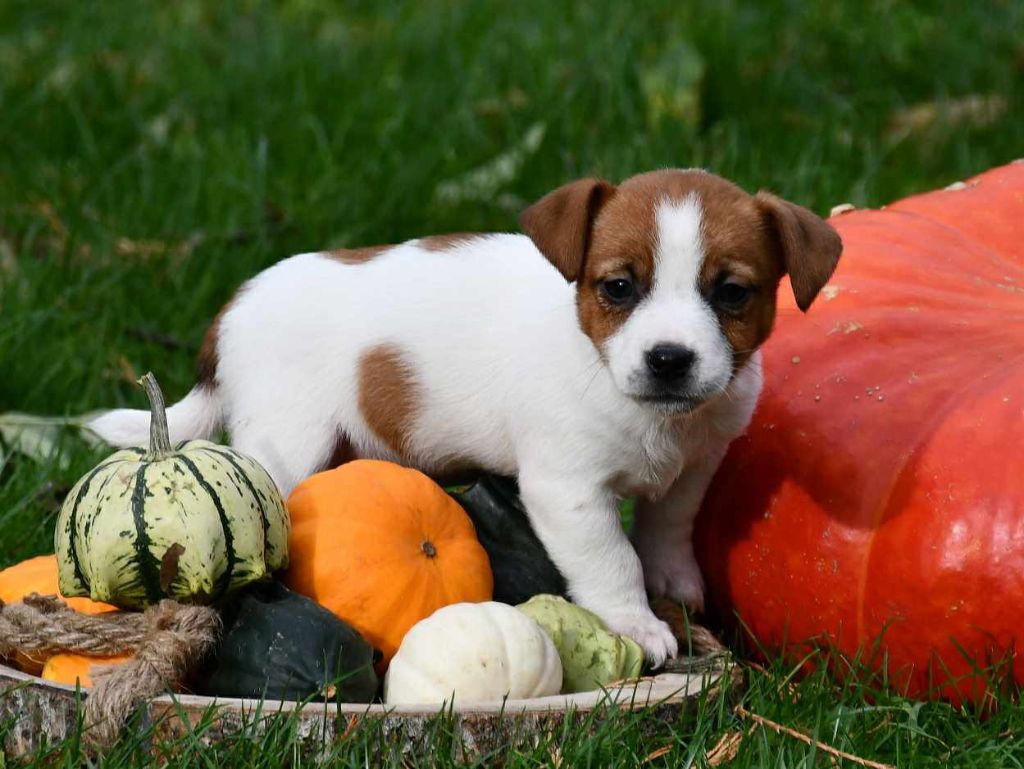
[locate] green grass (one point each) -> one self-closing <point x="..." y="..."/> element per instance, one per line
<point x="867" y="723"/>
<point x="155" y="154"/>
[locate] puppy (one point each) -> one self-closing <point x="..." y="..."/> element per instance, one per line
<point x="609" y="351"/>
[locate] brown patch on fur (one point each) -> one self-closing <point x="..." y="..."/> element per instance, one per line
<point x="741" y="239"/>
<point x="357" y="255"/>
<point x="756" y="240"/>
<point x="808" y="246"/>
<point x="208" y="358"/>
<point x="738" y="245"/>
<point x="748" y="331"/>
<point x="560" y="223"/>
<point x="622" y="244"/>
<point x="446" y="241"/>
<point x="206" y="363"/>
<point x="389" y="395"/>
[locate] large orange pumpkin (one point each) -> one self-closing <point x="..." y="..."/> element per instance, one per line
<point x="382" y="546"/>
<point x="880" y="486"/>
<point x="39" y="575"/>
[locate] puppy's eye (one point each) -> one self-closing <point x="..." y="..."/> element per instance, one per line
<point x="732" y="296"/>
<point x="618" y="290"/>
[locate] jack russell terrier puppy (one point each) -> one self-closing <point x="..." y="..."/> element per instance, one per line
<point x="609" y="351"/>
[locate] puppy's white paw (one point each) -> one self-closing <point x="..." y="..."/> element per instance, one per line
<point x="676" y="576"/>
<point x="651" y="633"/>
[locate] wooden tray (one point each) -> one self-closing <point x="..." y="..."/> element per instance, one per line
<point x="43" y="713"/>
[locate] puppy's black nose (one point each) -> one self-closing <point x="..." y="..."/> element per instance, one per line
<point x="669" y="361"/>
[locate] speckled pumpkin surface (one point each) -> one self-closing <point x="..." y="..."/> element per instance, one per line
<point x="880" y="484"/>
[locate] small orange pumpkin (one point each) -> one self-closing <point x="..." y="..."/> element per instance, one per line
<point x="70" y="669"/>
<point x="383" y="546"/>
<point x="39" y="575"/>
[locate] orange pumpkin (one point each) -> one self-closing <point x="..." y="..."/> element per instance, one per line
<point x="71" y="669"/>
<point x="39" y="575"/>
<point x="383" y="546"/>
<point x="879" y="492"/>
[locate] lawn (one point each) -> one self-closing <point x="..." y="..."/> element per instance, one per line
<point x="153" y="155"/>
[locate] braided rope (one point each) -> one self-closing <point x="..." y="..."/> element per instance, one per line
<point x="44" y="624"/>
<point x="168" y="640"/>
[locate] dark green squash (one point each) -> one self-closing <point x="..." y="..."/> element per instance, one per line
<point x="280" y="645"/>
<point x="519" y="562"/>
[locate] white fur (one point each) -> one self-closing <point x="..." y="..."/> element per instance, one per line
<point x="197" y="415"/>
<point x="507" y="380"/>
<point x="663" y="529"/>
<point x="674" y="311"/>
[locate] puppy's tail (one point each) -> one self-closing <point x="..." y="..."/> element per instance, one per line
<point x="197" y="415"/>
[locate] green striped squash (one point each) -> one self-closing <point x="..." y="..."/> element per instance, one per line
<point x="190" y="523"/>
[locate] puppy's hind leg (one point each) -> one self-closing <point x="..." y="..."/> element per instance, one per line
<point x="663" y="532"/>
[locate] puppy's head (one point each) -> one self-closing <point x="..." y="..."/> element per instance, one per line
<point x="676" y="273"/>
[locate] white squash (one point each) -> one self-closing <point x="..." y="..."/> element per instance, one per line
<point x="473" y="653"/>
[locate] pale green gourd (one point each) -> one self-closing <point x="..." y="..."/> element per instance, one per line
<point x="592" y="655"/>
<point x="190" y="523"/>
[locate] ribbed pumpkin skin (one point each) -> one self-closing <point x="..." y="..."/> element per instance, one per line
<point x="880" y="486"/>
<point x="473" y="653"/>
<point x="357" y="548"/>
<point x="118" y="527"/>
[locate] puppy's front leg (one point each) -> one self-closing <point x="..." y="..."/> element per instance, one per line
<point x="578" y="523"/>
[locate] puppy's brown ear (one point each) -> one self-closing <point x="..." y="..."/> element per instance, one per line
<point x="808" y="246"/>
<point x="559" y="223"/>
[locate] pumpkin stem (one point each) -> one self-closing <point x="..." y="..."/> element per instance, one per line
<point x="159" y="438"/>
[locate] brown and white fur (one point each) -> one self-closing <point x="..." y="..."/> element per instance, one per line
<point x="610" y="351"/>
